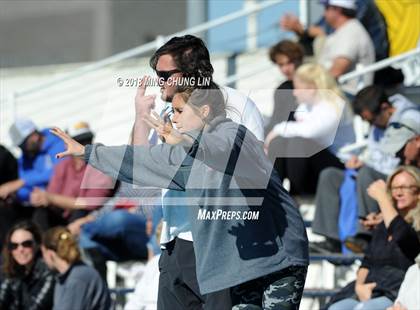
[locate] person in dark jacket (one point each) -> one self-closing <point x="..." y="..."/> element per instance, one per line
<point x="78" y="286"/>
<point x="8" y="172"/>
<point x="394" y="246"/>
<point x="227" y="178"/>
<point x="28" y="283"/>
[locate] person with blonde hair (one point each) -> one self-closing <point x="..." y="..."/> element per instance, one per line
<point x="394" y="246"/>
<point x="324" y="123"/>
<point x="78" y="286"/>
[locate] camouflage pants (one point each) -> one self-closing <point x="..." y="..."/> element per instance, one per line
<point x="280" y="290"/>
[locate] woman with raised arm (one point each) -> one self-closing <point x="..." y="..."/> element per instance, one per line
<point x="394" y="246"/>
<point x="248" y="234"/>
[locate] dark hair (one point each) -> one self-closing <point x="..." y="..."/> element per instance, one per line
<point x="294" y="51"/>
<point x="60" y="240"/>
<point x="190" y="55"/>
<point x="10" y="267"/>
<point x="210" y="95"/>
<point x="370" y="98"/>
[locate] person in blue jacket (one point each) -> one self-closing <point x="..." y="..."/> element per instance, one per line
<point x="36" y="164"/>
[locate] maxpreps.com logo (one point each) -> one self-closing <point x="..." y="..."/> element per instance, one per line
<point x="214" y="215"/>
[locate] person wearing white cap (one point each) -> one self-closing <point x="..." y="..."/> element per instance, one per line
<point x="37" y="161"/>
<point x="72" y="181"/>
<point x="348" y="46"/>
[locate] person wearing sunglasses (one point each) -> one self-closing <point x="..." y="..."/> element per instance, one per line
<point x="28" y="283"/>
<point x="187" y="57"/>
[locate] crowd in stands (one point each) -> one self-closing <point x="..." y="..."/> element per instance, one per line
<point x="68" y="205"/>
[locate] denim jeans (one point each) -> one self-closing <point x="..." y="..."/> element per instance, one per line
<point x="379" y="303"/>
<point x="118" y="235"/>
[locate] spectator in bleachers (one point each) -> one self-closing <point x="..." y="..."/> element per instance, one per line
<point x="78" y="286"/>
<point x="324" y="123"/>
<point x="288" y="56"/>
<point x="8" y="172"/>
<point x="408" y="295"/>
<point x="394" y="246"/>
<point x="121" y="230"/>
<point x="376" y="162"/>
<point x="366" y="12"/>
<point x="28" y="283"/>
<point x="74" y="190"/>
<point x="37" y="161"/>
<point x="348" y="46"/>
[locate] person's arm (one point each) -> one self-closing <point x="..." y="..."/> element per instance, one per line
<point x="10" y="187"/>
<point x="405" y="236"/>
<point x="377" y="191"/>
<point x="319" y="123"/>
<point x="142" y="165"/>
<point x="143" y="106"/>
<point x="76" y="225"/>
<point x="340" y="66"/>
<point x="363" y="290"/>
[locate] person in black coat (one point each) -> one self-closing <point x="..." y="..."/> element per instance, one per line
<point x="394" y="246"/>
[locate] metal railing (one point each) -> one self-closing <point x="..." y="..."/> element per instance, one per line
<point x="145" y="48"/>
<point x="345" y="77"/>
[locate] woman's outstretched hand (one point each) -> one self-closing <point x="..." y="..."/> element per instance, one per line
<point x="73" y="148"/>
<point x="164" y="128"/>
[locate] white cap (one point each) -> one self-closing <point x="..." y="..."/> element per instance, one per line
<point x="20" y="130"/>
<point x="347" y="4"/>
<point x="80" y="130"/>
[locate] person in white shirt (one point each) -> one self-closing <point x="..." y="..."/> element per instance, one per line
<point x="324" y="123"/>
<point x="348" y="46"/>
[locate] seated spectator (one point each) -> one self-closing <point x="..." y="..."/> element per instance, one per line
<point x="8" y="172"/>
<point x="78" y="286"/>
<point x="394" y="244"/>
<point x="28" y="283"/>
<point x="37" y="161"/>
<point x="288" y="56"/>
<point x="375" y="162"/>
<point x="324" y="123"/>
<point x="366" y="12"/>
<point x="121" y="230"/>
<point x="408" y="295"/>
<point x="348" y="46"/>
<point x="74" y="189"/>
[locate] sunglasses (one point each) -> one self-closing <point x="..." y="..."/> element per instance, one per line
<point x="26" y="244"/>
<point x="165" y="75"/>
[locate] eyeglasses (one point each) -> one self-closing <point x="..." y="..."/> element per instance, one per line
<point x="165" y="75"/>
<point x="26" y="244"/>
<point x="404" y="188"/>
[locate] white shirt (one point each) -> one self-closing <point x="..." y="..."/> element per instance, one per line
<point x="352" y="42"/>
<point x="328" y="123"/>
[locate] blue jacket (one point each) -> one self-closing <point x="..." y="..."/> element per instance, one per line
<point x="37" y="171"/>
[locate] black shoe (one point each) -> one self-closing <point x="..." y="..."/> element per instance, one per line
<point x="329" y="246"/>
<point x="357" y="243"/>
